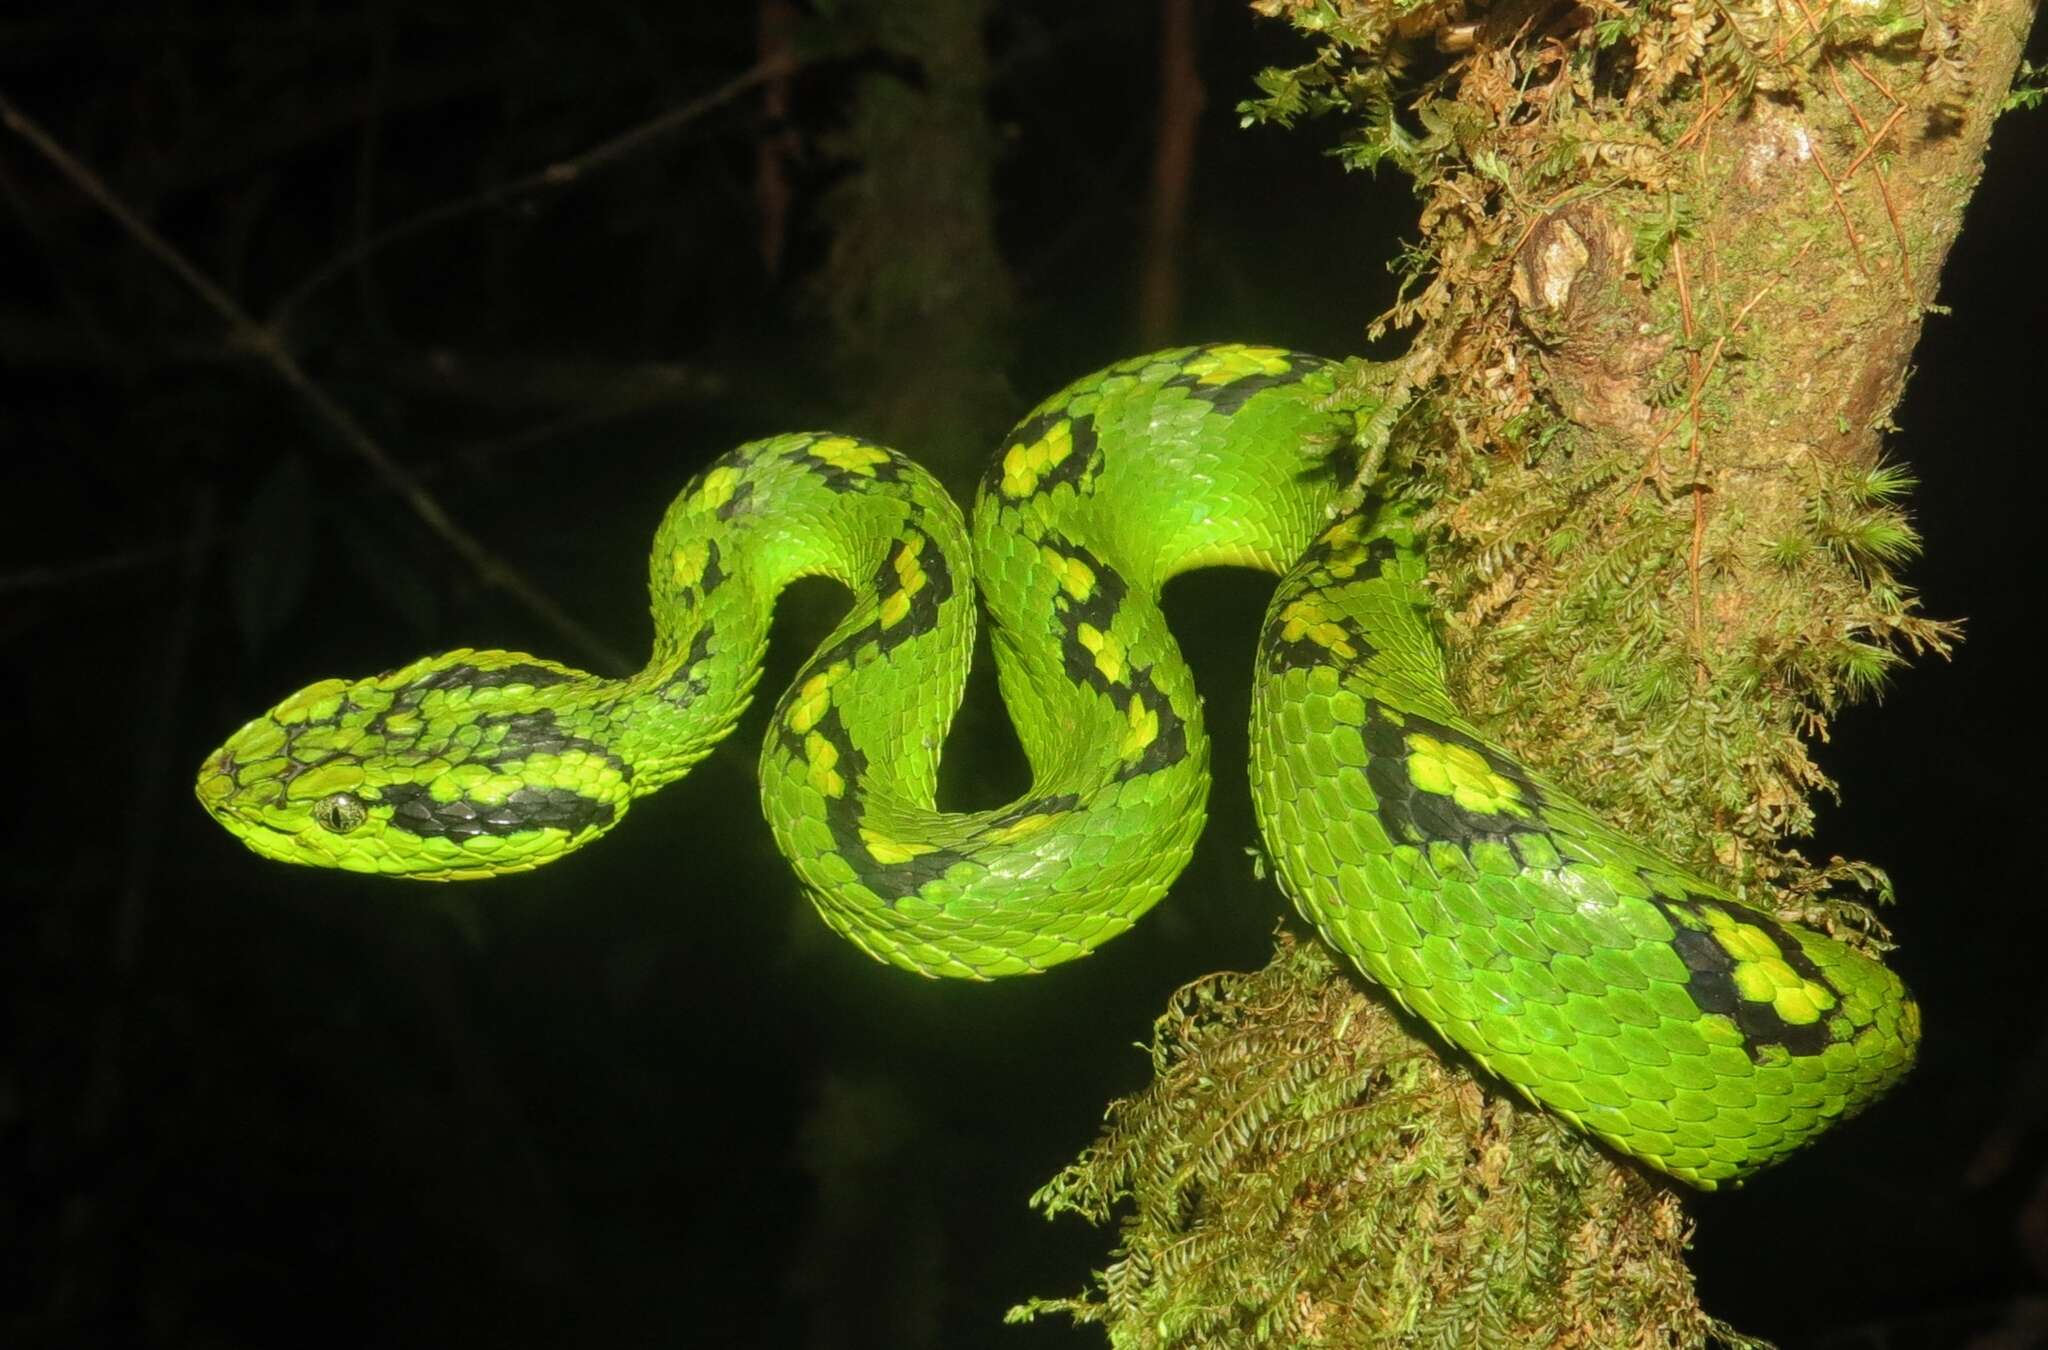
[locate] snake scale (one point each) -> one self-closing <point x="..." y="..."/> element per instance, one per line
<point x="1601" y="979"/>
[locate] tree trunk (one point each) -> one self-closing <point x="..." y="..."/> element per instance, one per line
<point x="1673" y="262"/>
<point x="915" y="285"/>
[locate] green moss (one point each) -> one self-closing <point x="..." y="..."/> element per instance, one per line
<point x="1303" y="1173"/>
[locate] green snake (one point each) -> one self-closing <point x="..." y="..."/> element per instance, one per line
<point x="1604" y="981"/>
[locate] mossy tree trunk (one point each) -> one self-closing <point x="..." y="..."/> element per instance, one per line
<point x="915" y="285"/>
<point x="1674" y="258"/>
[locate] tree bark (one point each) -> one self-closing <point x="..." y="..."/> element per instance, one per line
<point x="1674" y="258"/>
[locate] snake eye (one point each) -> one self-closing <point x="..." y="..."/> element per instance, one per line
<point x="339" y="813"/>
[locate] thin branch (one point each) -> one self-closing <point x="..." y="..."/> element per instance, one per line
<point x="1173" y="167"/>
<point x="263" y="343"/>
<point x="1884" y="187"/>
<point x="49" y="576"/>
<point x="1841" y="208"/>
<point x="1820" y="161"/>
<point x="1875" y="140"/>
<point x="553" y="176"/>
<point x="1700" y="123"/>
<point x="1693" y="485"/>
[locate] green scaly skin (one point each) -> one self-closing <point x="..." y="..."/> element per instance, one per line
<point x="1601" y="979"/>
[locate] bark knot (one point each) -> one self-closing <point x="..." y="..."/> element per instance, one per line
<point x="1591" y="323"/>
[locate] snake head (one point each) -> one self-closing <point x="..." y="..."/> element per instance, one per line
<point x="458" y="766"/>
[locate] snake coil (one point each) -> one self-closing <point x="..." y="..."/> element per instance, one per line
<point x="1644" y="1004"/>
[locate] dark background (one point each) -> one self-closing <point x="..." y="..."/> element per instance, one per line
<point x="644" y="1097"/>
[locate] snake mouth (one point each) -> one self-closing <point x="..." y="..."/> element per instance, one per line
<point x="225" y="799"/>
<point x="216" y="785"/>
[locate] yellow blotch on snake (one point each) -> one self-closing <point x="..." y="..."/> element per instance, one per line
<point x="823" y="758"/>
<point x="1144" y="728"/>
<point x="1307" y="618"/>
<point x="1105" y="648"/>
<point x="1223" y="365"/>
<point x="1024" y="465"/>
<point x="850" y="455"/>
<point x="1463" y="775"/>
<point x="814" y="697"/>
<point x="910" y="579"/>
<point x="890" y="852"/>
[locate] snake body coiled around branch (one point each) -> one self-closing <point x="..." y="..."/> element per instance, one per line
<point x="1598" y="977"/>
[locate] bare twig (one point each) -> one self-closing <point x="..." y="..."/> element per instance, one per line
<point x="263" y="343"/>
<point x="1884" y="187"/>
<point x="1841" y="208"/>
<point x="1692" y="461"/>
<point x="53" y="575"/>
<point x="1876" y="139"/>
<point x="1699" y="123"/>
<point x="554" y="175"/>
